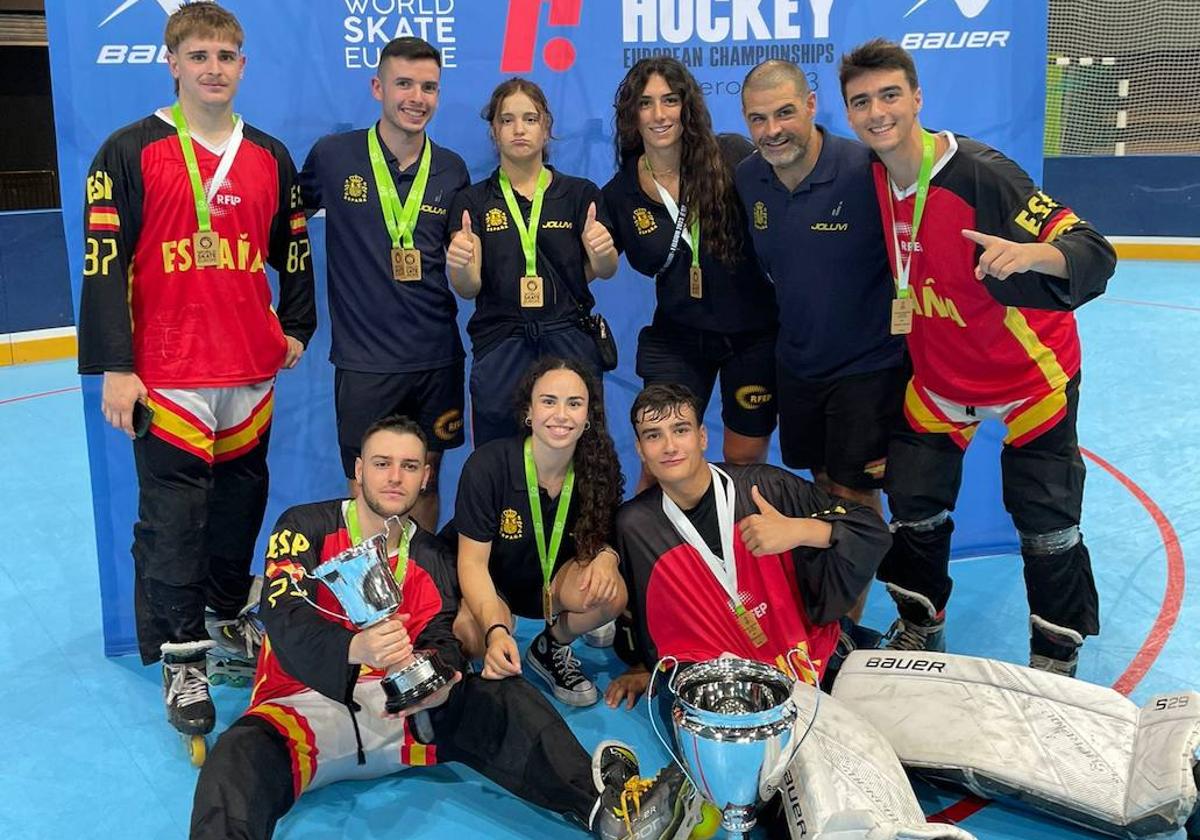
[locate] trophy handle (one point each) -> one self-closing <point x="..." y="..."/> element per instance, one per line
<point x="770" y="781"/>
<point x="296" y="590"/>
<point x="654" y="715"/>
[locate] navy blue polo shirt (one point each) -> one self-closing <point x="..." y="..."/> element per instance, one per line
<point x="561" y="259"/>
<point x="822" y="245"/>
<point x="734" y="299"/>
<point x="380" y="325"/>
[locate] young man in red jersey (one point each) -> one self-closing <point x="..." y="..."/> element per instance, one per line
<point x="194" y="203"/>
<point x="988" y="270"/>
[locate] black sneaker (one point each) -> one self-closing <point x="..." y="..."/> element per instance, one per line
<point x="661" y="808"/>
<point x="556" y="664"/>
<point x="613" y="764"/>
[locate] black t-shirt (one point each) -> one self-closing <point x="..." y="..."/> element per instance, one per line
<point x="704" y="519"/>
<point x="736" y="298"/>
<point x="493" y="506"/>
<point x="561" y="259"/>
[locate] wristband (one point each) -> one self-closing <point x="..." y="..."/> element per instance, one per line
<point x="487" y="634"/>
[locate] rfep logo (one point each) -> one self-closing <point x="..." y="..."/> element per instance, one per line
<point x="969" y="8"/>
<point x="520" y="35"/>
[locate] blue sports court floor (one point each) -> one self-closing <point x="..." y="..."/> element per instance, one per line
<point x="87" y="752"/>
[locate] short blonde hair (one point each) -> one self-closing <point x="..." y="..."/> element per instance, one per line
<point x="202" y="19"/>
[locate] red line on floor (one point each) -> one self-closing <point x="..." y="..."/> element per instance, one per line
<point x="1152" y="645"/>
<point x="1168" y="613"/>
<point x="40" y="394"/>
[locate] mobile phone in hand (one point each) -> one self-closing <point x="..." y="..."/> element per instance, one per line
<point x="142" y="415"/>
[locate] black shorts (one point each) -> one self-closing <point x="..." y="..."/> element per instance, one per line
<point x="841" y="426"/>
<point x="668" y="354"/>
<point x="433" y="398"/>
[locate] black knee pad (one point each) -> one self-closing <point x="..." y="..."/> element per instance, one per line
<point x="1061" y="590"/>
<point x="919" y="559"/>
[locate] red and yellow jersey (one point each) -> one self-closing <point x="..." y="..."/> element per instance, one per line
<point x="146" y="307"/>
<point x="679" y="608"/>
<point x="992" y="341"/>
<point x="306" y="648"/>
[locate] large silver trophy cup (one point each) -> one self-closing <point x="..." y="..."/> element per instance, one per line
<point x="734" y="726"/>
<point x="363" y="584"/>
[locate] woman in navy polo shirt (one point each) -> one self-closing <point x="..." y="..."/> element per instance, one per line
<point x="527" y="240"/>
<point x="676" y="216"/>
<point x="534" y="519"/>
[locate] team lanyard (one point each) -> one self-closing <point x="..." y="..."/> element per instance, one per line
<point x="904" y="266"/>
<point x="402" y="552"/>
<point x="691" y="234"/>
<point x="203" y="199"/>
<point x="401" y="219"/>
<point x="528" y="233"/>
<point x="547" y="556"/>
<point x="724" y="570"/>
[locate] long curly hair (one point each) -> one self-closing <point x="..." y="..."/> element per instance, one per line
<point x="599" y="483"/>
<point x="705" y="182"/>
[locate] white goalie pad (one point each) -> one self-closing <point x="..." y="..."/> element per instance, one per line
<point x="845" y="782"/>
<point x="1078" y="751"/>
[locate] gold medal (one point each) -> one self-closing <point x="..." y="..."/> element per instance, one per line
<point x="902" y="315"/>
<point x="531" y="292"/>
<point x="750" y="626"/>
<point x="206" y="244"/>
<point x="406" y="264"/>
<point x="547" y="605"/>
<point x="695" y="282"/>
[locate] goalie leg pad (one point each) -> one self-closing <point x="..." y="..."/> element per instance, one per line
<point x="845" y="782"/>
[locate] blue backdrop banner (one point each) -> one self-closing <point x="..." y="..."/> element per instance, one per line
<point x="309" y="64"/>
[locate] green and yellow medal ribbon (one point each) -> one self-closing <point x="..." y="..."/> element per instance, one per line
<point x="400" y="218"/>
<point x="547" y="555"/>
<point x="528" y="233"/>
<point x="203" y="215"/>
<point x="924" y="175"/>
<point x="355" y="532"/>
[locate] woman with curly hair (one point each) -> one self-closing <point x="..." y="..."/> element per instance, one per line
<point x="676" y="216"/>
<point x="534" y="519"/>
<point x="527" y="240"/>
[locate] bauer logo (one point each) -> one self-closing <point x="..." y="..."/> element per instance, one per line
<point x="147" y="24"/>
<point x="949" y="35"/>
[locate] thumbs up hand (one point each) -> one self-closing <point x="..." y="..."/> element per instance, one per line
<point x="464" y="245"/>
<point x="769" y="531"/>
<point x="597" y="241"/>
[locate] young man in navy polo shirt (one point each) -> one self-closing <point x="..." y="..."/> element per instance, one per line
<point x="386" y="192"/>
<point x="815" y="226"/>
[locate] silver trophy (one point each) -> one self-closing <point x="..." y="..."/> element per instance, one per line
<point x="734" y="727"/>
<point x="363" y="584"/>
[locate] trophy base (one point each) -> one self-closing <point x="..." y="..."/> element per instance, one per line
<point x="425" y="675"/>
<point x="737" y="820"/>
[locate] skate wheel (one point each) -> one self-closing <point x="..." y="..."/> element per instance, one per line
<point x="197" y="749"/>
<point x="216" y="679"/>
<point x="710" y="821"/>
